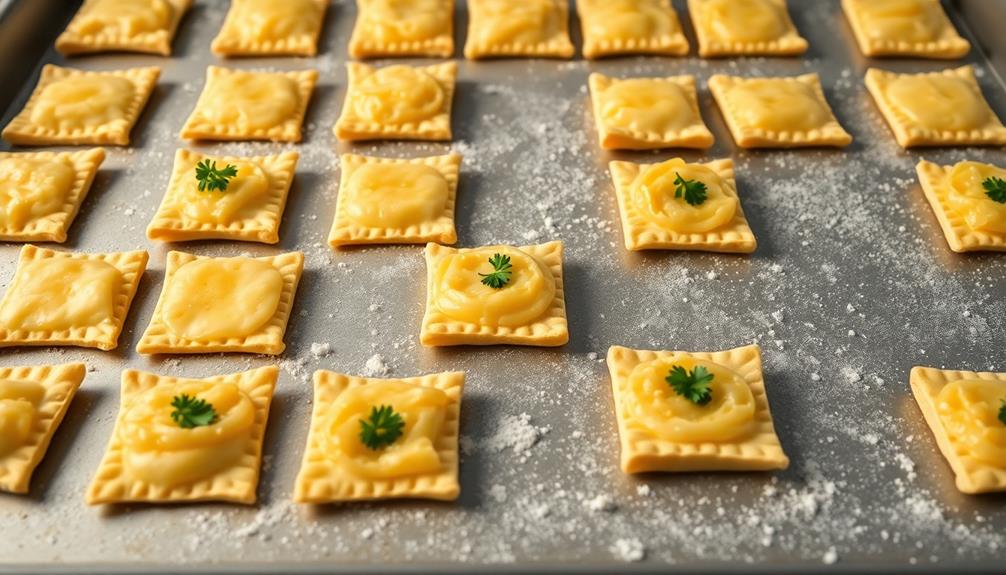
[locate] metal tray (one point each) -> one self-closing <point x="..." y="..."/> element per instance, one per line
<point x="852" y="284"/>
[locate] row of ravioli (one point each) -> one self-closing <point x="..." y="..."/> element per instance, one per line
<point x="399" y="102"/>
<point x="514" y="28"/>
<point x="180" y="439"/>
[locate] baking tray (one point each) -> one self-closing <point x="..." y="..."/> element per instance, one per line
<point x="852" y="284"/>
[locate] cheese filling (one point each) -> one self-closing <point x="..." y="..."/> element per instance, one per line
<point x="647" y="105"/>
<point x="423" y="409"/>
<point x="61" y="293"/>
<point x="970" y="200"/>
<point x="524" y="22"/>
<point x="32" y="188"/>
<point x="392" y="21"/>
<point x="655" y="405"/>
<point x="271" y="20"/>
<point x="969" y="411"/>
<point x="398" y="95"/>
<point x="900" y="20"/>
<point x="654" y="196"/>
<point x="744" y="20"/>
<point x="157" y="450"/>
<point x="122" y="18"/>
<point x="627" y="19"/>
<point x="779" y="106"/>
<point x="938" y="102"/>
<point x="82" y="102"/>
<point x="222" y="298"/>
<point x="395" y="195"/>
<point x="459" y="293"/>
<point x="19" y="402"/>
<point x="242" y="199"/>
<point x="251" y="101"/>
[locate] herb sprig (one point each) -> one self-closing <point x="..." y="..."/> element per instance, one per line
<point x="693" y="385"/>
<point x="501" y="274"/>
<point x="1002" y="412"/>
<point x="210" y="178"/>
<point x="191" y="412"/>
<point x="382" y="428"/>
<point x="694" y="192"/>
<point x="995" y="189"/>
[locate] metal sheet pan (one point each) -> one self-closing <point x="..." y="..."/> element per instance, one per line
<point x="851" y="285"/>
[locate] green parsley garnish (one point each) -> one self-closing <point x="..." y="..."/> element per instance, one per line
<point x="995" y="189"/>
<point x="210" y="178"/>
<point x="192" y="412"/>
<point x="382" y="428"/>
<point x="501" y="273"/>
<point x="693" y="191"/>
<point x="693" y="385"/>
<point x="1002" y="412"/>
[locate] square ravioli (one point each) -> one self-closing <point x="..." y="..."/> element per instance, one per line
<point x="403" y="28"/>
<point x="397" y="102"/>
<point x="966" y="411"/>
<point x="918" y="28"/>
<point x="251" y="105"/>
<point x="647" y="113"/>
<point x="969" y="200"/>
<point x="494" y="295"/>
<point x="33" y="401"/>
<point x="409" y="450"/>
<point x="944" y="108"/>
<point x="724" y="422"/>
<point x="745" y="28"/>
<point x="674" y="205"/>
<point x="249" y="208"/>
<point x="619" y="27"/>
<point x="43" y="192"/>
<point x="392" y="201"/>
<point x="180" y="440"/>
<point x="145" y="26"/>
<point x="53" y="116"/>
<point x="63" y="298"/>
<point x="503" y="28"/>
<point x="271" y="28"/>
<point x="786" y="112"/>
<point x="211" y="305"/>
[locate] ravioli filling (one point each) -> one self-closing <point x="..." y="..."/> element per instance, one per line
<point x="777" y="105"/>
<point x="745" y="20"/>
<point x="157" y="450"/>
<point x="900" y="20"/>
<point x="647" y="105"/>
<point x="938" y="102"/>
<point x="395" y="195"/>
<point x="222" y="298"/>
<point x="57" y="294"/>
<point x="272" y="20"/>
<point x="970" y="199"/>
<point x="525" y="22"/>
<point x="969" y="411"/>
<point x="251" y="101"/>
<point x="242" y="199"/>
<point x="398" y="95"/>
<point x="122" y="18"/>
<point x="32" y="188"/>
<point x="655" y="407"/>
<point x="424" y="411"/>
<point x="394" y="21"/>
<point x="627" y="19"/>
<point x="655" y="196"/>
<point x="83" y="102"/>
<point x="19" y="403"/>
<point x="459" y="293"/>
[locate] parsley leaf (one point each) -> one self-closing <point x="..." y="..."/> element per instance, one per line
<point x="693" y="385"/>
<point x="995" y="189"/>
<point x="502" y="271"/>
<point x="693" y="191"/>
<point x="210" y="178"/>
<point x="1002" y="412"/>
<point x="192" y="412"/>
<point x="382" y="428"/>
